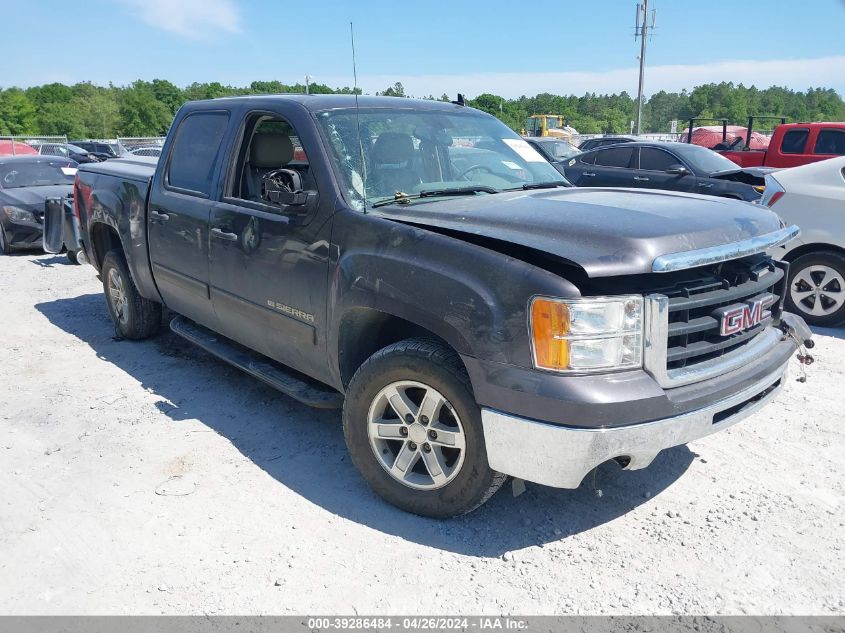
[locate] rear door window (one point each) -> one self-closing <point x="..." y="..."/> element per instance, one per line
<point x="615" y="156"/>
<point x="194" y="153"/>
<point x="830" y="141"/>
<point x="794" y="141"/>
<point x="654" y="159"/>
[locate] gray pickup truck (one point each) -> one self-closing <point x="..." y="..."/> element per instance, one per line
<point x="420" y="265"/>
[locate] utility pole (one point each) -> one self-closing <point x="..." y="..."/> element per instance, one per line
<point x="307" y="84"/>
<point x="641" y="30"/>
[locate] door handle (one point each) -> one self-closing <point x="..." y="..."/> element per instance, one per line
<point x="224" y="235"/>
<point x="158" y="215"/>
<point x="588" y="173"/>
<point x="705" y="184"/>
<point x="641" y="178"/>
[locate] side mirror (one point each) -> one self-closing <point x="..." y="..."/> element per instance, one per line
<point x="677" y="170"/>
<point x="294" y="202"/>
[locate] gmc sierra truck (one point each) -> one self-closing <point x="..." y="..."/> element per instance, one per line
<point x="421" y="266"/>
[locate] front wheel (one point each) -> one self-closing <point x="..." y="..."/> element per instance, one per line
<point x="5" y="247"/>
<point x="414" y="430"/>
<point x="816" y="289"/>
<point x="134" y="317"/>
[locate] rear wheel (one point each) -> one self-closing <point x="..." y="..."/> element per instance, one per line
<point x="414" y="430"/>
<point x="134" y="317"/>
<point x="816" y="289"/>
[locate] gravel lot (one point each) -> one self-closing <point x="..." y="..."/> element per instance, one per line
<point x="150" y="478"/>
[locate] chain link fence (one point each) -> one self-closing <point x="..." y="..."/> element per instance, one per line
<point x="141" y="145"/>
<point x="28" y="145"/>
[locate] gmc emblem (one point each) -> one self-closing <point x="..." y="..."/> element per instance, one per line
<point x="736" y="318"/>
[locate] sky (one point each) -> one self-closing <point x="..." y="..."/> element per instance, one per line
<point x="432" y="47"/>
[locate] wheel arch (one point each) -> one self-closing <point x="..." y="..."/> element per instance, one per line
<point x="814" y="247"/>
<point x="364" y="331"/>
<point x="104" y="238"/>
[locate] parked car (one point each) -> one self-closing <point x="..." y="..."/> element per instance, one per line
<point x="15" y="148"/>
<point x="672" y="166"/>
<point x="602" y="141"/>
<point x="147" y="150"/>
<point x="794" y="144"/>
<point x="25" y="184"/>
<point x="556" y="151"/>
<point x="813" y="197"/>
<point x="101" y="150"/>
<point x="471" y="326"/>
<point x="65" y="150"/>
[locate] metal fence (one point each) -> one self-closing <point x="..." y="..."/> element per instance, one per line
<point x="578" y="138"/>
<point x="22" y="145"/>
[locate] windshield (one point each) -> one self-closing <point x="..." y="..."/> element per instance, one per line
<point x="703" y="159"/>
<point x="40" y="174"/>
<point x="412" y="151"/>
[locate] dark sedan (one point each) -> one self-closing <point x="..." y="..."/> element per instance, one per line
<point x="555" y="150"/>
<point x="25" y="184"/>
<point x="672" y="166"/>
<point x="603" y="141"/>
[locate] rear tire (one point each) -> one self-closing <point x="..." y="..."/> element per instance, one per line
<point x="134" y="317"/>
<point x="444" y="470"/>
<point x="816" y="288"/>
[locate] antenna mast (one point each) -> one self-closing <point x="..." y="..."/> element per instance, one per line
<point x="358" y="116"/>
<point x="641" y="30"/>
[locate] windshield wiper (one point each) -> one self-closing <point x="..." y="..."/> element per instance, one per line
<point x="543" y="185"/>
<point x="458" y="191"/>
<point x="403" y="198"/>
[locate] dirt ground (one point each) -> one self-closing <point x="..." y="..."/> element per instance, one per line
<point x="149" y="478"/>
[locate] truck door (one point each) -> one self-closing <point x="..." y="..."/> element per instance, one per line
<point x="180" y="205"/>
<point x="269" y="259"/>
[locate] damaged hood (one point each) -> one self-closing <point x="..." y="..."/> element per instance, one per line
<point x="606" y="232"/>
<point x="33" y="197"/>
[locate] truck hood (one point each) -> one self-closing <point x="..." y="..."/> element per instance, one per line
<point x="606" y="232"/>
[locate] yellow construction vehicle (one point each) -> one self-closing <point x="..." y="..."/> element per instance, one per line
<point x="546" y="125"/>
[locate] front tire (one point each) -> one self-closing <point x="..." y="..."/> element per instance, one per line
<point x="134" y="317"/>
<point x="5" y="247"/>
<point x="414" y="431"/>
<point x="816" y="288"/>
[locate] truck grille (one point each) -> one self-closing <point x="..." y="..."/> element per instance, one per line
<point x="684" y="342"/>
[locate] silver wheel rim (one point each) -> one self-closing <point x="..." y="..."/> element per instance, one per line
<point x="117" y="294"/>
<point x="818" y="290"/>
<point x="416" y="435"/>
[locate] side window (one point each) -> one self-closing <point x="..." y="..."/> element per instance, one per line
<point x="617" y="156"/>
<point x="195" y="148"/>
<point x="830" y="142"/>
<point x="656" y="159"/>
<point x="588" y="158"/>
<point x="269" y="144"/>
<point x="794" y="141"/>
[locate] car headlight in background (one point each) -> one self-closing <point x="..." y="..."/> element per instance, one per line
<point x="16" y="214"/>
<point x="589" y="334"/>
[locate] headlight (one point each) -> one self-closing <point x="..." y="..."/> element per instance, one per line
<point x="16" y="214"/>
<point x="592" y="334"/>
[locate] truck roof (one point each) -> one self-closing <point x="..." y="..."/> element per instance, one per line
<point x="317" y="102"/>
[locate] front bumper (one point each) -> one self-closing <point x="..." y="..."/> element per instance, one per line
<point x="562" y="456"/>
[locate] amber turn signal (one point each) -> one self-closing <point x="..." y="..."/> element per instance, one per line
<point x="549" y="326"/>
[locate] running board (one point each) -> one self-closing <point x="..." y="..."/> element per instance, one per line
<point x="286" y="380"/>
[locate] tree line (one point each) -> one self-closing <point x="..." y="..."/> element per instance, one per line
<point x="146" y="108"/>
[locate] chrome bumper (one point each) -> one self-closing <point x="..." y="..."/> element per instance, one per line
<point x="562" y="456"/>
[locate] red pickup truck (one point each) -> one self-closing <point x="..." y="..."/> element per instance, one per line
<point x="794" y="144"/>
